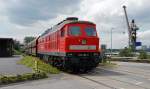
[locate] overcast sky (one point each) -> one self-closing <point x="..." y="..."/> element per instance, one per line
<point x="20" y="18"/>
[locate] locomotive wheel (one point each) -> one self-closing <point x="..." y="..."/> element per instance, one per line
<point x="45" y="58"/>
<point x="50" y="60"/>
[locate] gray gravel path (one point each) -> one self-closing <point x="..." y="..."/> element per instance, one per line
<point x="9" y="66"/>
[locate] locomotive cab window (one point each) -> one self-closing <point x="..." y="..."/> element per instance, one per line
<point x="75" y="31"/>
<point x="90" y="31"/>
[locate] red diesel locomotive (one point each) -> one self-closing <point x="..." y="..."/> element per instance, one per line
<point x="70" y="44"/>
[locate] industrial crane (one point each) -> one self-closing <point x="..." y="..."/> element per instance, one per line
<point x="132" y="31"/>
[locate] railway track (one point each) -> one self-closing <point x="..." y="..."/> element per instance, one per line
<point x="98" y="82"/>
<point x="111" y="87"/>
<point x="121" y="80"/>
<point x="139" y="70"/>
<point x="86" y="76"/>
<point x="127" y="72"/>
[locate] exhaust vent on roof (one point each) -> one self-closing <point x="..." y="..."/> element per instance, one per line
<point x="72" y="18"/>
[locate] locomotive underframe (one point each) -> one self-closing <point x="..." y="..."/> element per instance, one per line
<point x="73" y="61"/>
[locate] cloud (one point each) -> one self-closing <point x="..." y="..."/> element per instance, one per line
<point x="20" y="18"/>
<point x="144" y="37"/>
<point x="27" y="12"/>
<point x="108" y="14"/>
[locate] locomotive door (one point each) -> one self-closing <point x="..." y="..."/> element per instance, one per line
<point x="62" y="39"/>
<point x="57" y="43"/>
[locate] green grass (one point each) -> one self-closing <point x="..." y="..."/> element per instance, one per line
<point x="16" y="52"/>
<point x="148" y="56"/>
<point x="42" y="66"/>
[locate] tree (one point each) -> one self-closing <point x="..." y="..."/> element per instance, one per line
<point x="143" y="55"/>
<point x="16" y="45"/>
<point x="126" y="52"/>
<point x="28" y="39"/>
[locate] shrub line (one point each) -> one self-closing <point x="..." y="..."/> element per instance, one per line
<point x="132" y="60"/>
<point x="4" y="80"/>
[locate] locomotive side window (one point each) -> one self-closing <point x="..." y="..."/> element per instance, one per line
<point x="75" y="31"/>
<point x="90" y="31"/>
<point x="62" y="33"/>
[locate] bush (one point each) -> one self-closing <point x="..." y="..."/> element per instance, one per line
<point x="143" y="55"/>
<point x="24" y="77"/>
<point x="21" y="78"/>
<point x="36" y="76"/>
<point x="28" y="76"/>
<point x="4" y="80"/>
<point x="16" y="52"/>
<point x="148" y="56"/>
<point x="12" y="79"/>
<point x="126" y="52"/>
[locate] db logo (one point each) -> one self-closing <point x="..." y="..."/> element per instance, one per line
<point x="84" y="41"/>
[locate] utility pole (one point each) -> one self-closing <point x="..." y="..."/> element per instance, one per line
<point x="111" y="40"/>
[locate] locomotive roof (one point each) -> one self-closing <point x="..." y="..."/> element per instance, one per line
<point x="6" y="38"/>
<point x="61" y="24"/>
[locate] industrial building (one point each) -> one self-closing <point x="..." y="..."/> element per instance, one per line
<point x="6" y="47"/>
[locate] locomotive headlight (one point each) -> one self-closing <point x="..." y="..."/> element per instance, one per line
<point x="80" y="54"/>
<point x="83" y="54"/>
<point x="69" y="54"/>
<point x="96" y="54"/>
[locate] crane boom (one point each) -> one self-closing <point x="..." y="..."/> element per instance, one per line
<point x="129" y="29"/>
